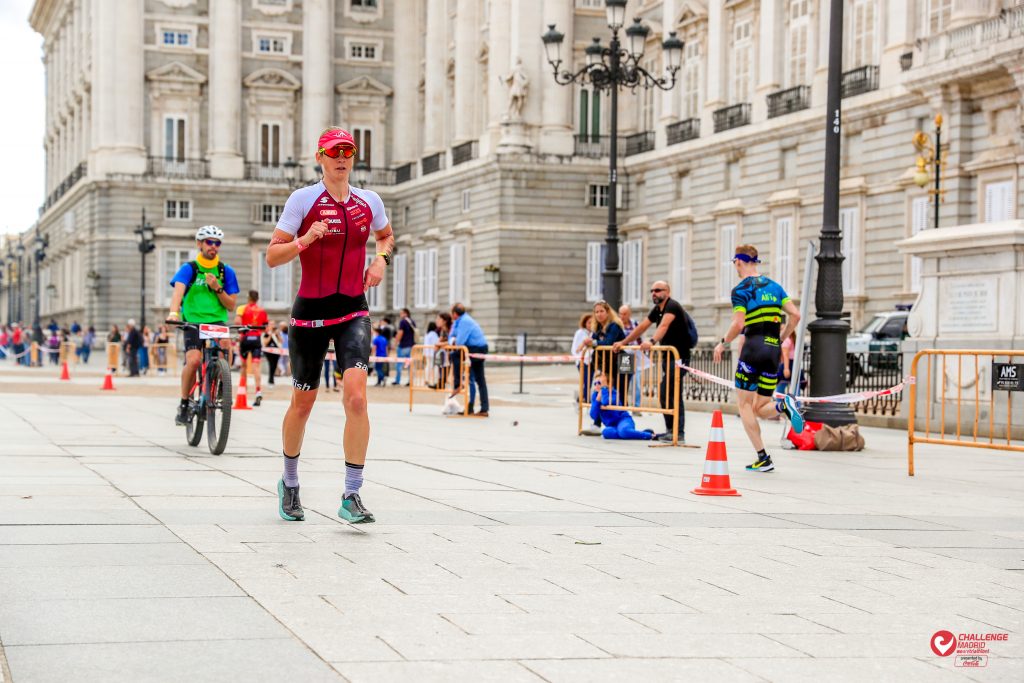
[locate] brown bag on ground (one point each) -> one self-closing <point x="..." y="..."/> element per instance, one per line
<point x="844" y="438"/>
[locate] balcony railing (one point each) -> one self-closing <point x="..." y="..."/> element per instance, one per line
<point x="638" y="143"/>
<point x="858" y="81"/>
<point x="432" y="164"/>
<point x="403" y="173"/>
<point x="788" y="101"/>
<point x="363" y="176"/>
<point x="464" y="152"/>
<point x="269" y="173"/>
<point x="977" y="36"/>
<point x="595" y="146"/>
<point x="731" y="117"/>
<point x="63" y="187"/>
<point x="681" y="131"/>
<point x="175" y="168"/>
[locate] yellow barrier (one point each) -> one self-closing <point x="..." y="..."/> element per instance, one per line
<point x="113" y="356"/>
<point x="67" y="353"/>
<point x="36" y="355"/>
<point x="981" y="401"/>
<point x="163" y="356"/>
<point x="652" y="387"/>
<point x="442" y="370"/>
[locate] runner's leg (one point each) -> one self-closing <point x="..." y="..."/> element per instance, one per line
<point x="352" y="342"/>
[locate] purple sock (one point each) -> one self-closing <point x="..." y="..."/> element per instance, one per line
<point x="291" y="470"/>
<point x="353" y="477"/>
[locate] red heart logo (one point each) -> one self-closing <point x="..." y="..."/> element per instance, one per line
<point x="943" y="643"/>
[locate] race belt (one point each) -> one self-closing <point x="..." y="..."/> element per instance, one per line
<point x="295" y="322"/>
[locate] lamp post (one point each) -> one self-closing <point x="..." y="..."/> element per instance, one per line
<point x="19" y="252"/>
<point x="40" y="243"/>
<point x="929" y="157"/>
<point x="611" y="68"/>
<point x="144" y="237"/>
<point x="829" y="330"/>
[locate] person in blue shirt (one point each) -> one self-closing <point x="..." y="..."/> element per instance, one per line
<point x="618" y="424"/>
<point x="380" y="348"/>
<point x="466" y="332"/>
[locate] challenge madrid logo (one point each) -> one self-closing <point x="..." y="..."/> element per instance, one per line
<point x="943" y="643"/>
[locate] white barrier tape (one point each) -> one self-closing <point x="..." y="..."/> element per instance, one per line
<point x="511" y="358"/>
<point x="853" y="397"/>
<point x="16" y="356"/>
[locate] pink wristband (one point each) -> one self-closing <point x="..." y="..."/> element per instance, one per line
<point x="302" y="247"/>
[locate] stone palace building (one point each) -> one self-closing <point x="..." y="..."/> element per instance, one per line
<point x="207" y="111"/>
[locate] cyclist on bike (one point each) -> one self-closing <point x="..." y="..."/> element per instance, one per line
<point x="205" y="290"/>
<point x="251" y="347"/>
<point x="327" y="226"/>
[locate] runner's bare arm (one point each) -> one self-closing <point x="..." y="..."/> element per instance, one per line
<point x="384" y="241"/>
<point x="284" y="247"/>
<point x="792" y="320"/>
<point x="739" y="318"/>
<point x="176" y="297"/>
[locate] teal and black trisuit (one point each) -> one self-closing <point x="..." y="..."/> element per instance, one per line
<point x="761" y="301"/>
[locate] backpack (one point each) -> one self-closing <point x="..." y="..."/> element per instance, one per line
<point x="691" y="328"/>
<point x="195" y="270"/>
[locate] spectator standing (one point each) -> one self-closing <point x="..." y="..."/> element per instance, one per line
<point x="282" y="333"/>
<point x="606" y="330"/>
<point x="271" y="340"/>
<point x="626" y="317"/>
<point x="467" y="332"/>
<point x="430" y="340"/>
<point x="329" y="369"/>
<point x="675" y="329"/>
<point x="53" y="328"/>
<point x="53" y="344"/>
<point x="582" y="333"/>
<point x="88" y="339"/>
<point x="161" y="338"/>
<point x="5" y="340"/>
<point x="380" y="348"/>
<point x="404" y="341"/>
<point x="147" y="339"/>
<point x="132" y="344"/>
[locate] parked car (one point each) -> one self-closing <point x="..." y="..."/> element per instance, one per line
<point x="875" y="346"/>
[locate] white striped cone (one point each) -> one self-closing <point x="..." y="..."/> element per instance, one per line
<point x="715" y="481"/>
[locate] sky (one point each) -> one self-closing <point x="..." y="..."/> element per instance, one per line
<point x="22" y="118"/>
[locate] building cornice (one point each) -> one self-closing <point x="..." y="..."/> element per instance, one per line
<point x="42" y="14"/>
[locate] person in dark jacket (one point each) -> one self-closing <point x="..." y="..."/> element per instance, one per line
<point x="132" y="344"/>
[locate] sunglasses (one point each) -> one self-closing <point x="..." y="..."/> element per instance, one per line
<point x="337" y="151"/>
<point x="212" y="243"/>
<point x="655" y="290"/>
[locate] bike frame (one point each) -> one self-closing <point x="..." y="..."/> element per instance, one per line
<point x="211" y="351"/>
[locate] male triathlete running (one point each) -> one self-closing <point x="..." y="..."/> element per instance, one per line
<point x="204" y="292"/>
<point x="250" y="347"/>
<point x="327" y="226"/>
<point x="758" y="304"/>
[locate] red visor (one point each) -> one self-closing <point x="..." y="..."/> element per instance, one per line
<point x="336" y="137"/>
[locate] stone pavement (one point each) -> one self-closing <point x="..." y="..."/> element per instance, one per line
<point x="506" y="549"/>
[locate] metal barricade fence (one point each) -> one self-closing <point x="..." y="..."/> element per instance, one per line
<point x="439" y="371"/>
<point x="67" y="353"/>
<point x="652" y="385"/>
<point x="163" y="356"/>
<point x="956" y="397"/>
<point x="113" y="356"/>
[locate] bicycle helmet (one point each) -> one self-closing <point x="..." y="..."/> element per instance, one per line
<point x="209" y="232"/>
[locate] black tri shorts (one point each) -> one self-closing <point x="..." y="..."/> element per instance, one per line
<point x="307" y="347"/>
<point x="191" y="334"/>
<point x="251" y="347"/>
<point x="758" y="367"/>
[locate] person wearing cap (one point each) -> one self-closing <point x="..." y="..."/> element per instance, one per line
<point x="205" y="290"/>
<point x="758" y="304"/>
<point x="327" y="226"/>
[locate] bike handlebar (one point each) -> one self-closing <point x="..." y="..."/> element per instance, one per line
<point x="233" y="328"/>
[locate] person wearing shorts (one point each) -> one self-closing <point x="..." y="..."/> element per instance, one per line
<point x="327" y="226"/>
<point x="758" y="304"/>
<point x="250" y="348"/>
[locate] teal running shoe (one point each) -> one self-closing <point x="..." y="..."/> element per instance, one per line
<point x="288" y="505"/>
<point x="352" y="510"/>
<point x="792" y="410"/>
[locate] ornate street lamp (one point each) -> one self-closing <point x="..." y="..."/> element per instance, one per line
<point x="19" y="252"/>
<point x="930" y="157"/>
<point x="610" y="69"/>
<point x="40" y="244"/>
<point x="144" y="237"/>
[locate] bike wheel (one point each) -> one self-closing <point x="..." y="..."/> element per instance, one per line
<point x="196" y="418"/>
<point x="219" y="410"/>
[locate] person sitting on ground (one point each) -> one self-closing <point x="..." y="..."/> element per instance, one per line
<point x="618" y="423"/>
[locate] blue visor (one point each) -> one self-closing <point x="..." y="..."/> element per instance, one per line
<point x="745" y="258"/>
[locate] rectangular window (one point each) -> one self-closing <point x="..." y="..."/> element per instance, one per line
<point x="999" y="202"/>
<point x="425" y="278"/>
<point x="742" y="56"/>
<point x="849" y="225"/>
<point x="275" y="283"/>
<point x="169" y="37"/>
<point x="691" y="80"/>
<point x="175" y="37"/>
<point x="174" y="138"/>
<point x="271" y="45"/>
<point x="934" y="16"/>
<point x="170" y="260"/>
<point x="466" y="201"/>
<point x="400" y="263"/>
<point x="457" y="273"/>
<point x="633" y="272"/>
<point x="597" y="195"/>
<point x="364" y="145"/>
<point x="595" y="253"/>
<point x="861" y="44"/>
<point x="799" y="28"/>
<point x="374" y="295"/>
<point x="271" y="213"/>
<point x="366" y="52"/>
<point x="364" y="4"/>
<point x="783" y="253"/>
<point x="647" y="102"/>
<point x="178" y="209"/>
<point x="270" y="144"/>
<point x="726" y="250"/>
<point x="920" y="210"/>
<point x="680" y="265"/>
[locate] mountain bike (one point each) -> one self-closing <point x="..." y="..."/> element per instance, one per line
<point x="209" y="402"/>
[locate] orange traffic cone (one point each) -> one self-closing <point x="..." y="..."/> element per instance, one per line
<point x="715" y="481"/>
<point x="65" y="376"/>
<point x="242" y="400"/>
<point x="108" y="382"/>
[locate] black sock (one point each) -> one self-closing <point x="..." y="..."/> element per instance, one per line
<point x="184" y="401"/>
<point x="763" y="455"/>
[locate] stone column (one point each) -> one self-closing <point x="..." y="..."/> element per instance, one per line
<point x="669" y="99"/>
<point x="406" y="119"/>
<point x="557" y="124"/>
<point x="118" y="87"/>
<point x="717" y="45"/>
<point x="771" y="46"/>
<point x="899" y="39"/>
<point x="819" y="38"/>
<point x="467" y="32"/>
<point x="317" y="76"/>
<point x="435" y="53"/>
<point x="497" y="67"/>
<point x="225" y="91"/>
